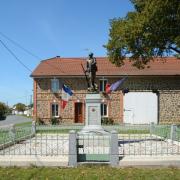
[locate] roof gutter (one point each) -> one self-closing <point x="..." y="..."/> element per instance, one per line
<point x="82" y="76"/>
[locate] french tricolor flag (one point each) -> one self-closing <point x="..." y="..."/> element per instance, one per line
<point x="115" y="86"/>
<point x="66" y="94"/>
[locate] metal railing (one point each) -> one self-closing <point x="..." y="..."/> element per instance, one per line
<point x="25" y="141"/>
<point x="147" y="144"/>
<point x="12" y="134"/>
<point x="161" y="130"/>
<point x="39" y="144"/>
<point x="93" y="147"/>
<point x="51" y="140"/>
<point x="162" y="140"/>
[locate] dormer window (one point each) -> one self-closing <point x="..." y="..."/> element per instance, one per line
<point x="54" y="85"/>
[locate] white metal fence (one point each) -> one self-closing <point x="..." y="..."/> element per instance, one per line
<point x="132" y="140"/>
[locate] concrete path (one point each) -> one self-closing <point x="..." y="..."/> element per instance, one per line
<point x="150" y="161"/>
<point x="50" y="161"/>
<point x="13" y="119"/>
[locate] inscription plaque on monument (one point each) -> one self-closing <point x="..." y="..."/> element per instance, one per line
<point x="92" y="115"/>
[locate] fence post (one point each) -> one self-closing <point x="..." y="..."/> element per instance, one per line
<point x="152" y="128"/>
<point x="173" y="132"/>
<point x="72" y="148"/>
<point x="33" y="127"/>
<point x="114" y="151"/>
<point x="12" y="132"/>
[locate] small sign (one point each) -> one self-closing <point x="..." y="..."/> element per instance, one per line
<point x="93" y="110"/>
<point x="92" y="115"/>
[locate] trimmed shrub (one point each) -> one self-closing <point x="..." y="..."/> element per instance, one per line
<point x="39" y="121"/>
<point x="56" y="121"/>
<point x="107" y="121"/>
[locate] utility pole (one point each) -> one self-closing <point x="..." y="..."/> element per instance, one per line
<point x="30" y="102"/>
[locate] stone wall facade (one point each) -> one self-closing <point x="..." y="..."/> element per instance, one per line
<point x="167" y="89"/>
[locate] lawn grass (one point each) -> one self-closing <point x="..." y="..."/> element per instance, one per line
<point x="56" y="131"/>
<point x="91" y="172"/>
<point x="133" y="131"/>
<point x="23" y="124"/>
<point x="23" y="115"/>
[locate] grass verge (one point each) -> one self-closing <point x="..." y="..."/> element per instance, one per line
<point x="23" y="124"/>
<point x="89" y="173"/>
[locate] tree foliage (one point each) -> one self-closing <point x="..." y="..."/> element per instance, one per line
<point x="151" y="30"/>
<point x="30" y="105"/>
<point x="3" y="110"/>
<point x="20" y="107"/>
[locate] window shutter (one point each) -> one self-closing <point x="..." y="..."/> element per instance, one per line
<point x="54" y="85"/>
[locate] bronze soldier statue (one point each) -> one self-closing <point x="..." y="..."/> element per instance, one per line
<point x="91" y="70"/>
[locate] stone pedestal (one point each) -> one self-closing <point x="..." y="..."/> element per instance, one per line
<point x="93" y="114"/>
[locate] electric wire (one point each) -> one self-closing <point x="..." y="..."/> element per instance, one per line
<point x="29" y="52"/>
<point x="12" y="53"/>
<point x="18" y="45"/>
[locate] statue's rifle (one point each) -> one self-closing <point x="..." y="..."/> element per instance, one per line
<point x="85" y="76"/>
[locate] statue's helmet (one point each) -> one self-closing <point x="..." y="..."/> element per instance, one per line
<point x="91" y="54"/>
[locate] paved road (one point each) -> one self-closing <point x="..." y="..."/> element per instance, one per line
<point x="13" y="119"/>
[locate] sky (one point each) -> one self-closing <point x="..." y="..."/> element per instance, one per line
<point x="49" y="28"/>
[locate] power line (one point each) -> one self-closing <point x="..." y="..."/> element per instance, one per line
<point x="11" y="52"/>
<point x="18" y="45"/>
<point x="27" y="51"/>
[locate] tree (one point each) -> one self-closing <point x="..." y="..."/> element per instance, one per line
<point x="30" y="105"/>
<point x="20" y="107"/>
<point x="151" y="30"/>
<point x="3" y="110"/>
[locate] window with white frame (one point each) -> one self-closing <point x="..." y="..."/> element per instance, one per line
<point x="54" y="110"/>
<point x="102" y="86"/>
<point x="54" y="85"/>
<point x="104" y="110"/>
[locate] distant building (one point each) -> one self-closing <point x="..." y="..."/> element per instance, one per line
<point x="28" y="111"/>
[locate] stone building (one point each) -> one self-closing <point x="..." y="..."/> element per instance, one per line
<point x="153" y="96"/>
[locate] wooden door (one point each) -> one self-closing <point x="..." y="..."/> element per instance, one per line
<point x="78" y="113"/>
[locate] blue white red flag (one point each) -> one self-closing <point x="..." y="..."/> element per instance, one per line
<point x="114" y="86"/>
<point x="66" y="94"/>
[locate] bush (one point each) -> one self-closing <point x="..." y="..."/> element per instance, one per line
<point x="3" y="110"/>
<point x="40" y="121"/>
<point x="107" y="121"/>
<point x="56" y="121"/>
